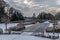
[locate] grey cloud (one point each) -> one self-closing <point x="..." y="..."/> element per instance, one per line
<point x="32" y="6"/>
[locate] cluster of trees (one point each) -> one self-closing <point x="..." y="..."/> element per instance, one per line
<point x="57" y="16"/>
<point x="17" y="16"/>
<point x="48" y="16"/>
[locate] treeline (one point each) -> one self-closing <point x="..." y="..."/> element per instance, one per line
<point x="12" y="14"/>
<point x="16" y="17"/>
<point x="8" y="13"/>
<point x="49" y="16"/>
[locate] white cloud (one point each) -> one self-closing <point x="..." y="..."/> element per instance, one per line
<point x="25" y="1"/>
<point x="58" y="2"/>
<point x="53" y="10"/>
<point x="29" y="4"/>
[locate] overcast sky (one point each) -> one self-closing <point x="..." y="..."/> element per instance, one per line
<point x="28" y="7"/>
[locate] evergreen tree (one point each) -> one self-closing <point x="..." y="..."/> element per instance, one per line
<point x="14" y="17"/>
<point x="0" y="19"/>
<point x="45" y="16"/>
<point x="50" y="16"/>
<point x="57" y="16"/>
<point x="17" y="16"/>
<point x="20" y="16"/>
<point x="41" y="15"/>
<point x="1" y="10"/>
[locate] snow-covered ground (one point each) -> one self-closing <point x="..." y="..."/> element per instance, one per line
<point x="24" y="35"/>
<point x="8" y="25"/>
<point x="21" y="37"/>
<point x="11" y="25"/>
